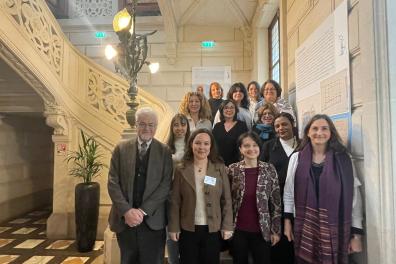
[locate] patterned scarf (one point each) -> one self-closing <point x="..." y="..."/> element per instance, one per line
<point x="322" y="225"/>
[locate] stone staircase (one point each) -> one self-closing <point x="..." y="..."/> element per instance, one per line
<point x="76" y="94"/>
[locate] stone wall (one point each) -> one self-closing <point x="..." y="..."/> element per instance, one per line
<point x="26" y="165"/>
<point x="303" y="17"/>
<point x="300" y="18"/>
<point x="233" y="48"/>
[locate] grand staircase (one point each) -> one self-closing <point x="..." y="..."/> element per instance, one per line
<point x="77" y="94"/>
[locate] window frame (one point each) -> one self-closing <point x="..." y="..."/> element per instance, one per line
<point x="271" y="63"/>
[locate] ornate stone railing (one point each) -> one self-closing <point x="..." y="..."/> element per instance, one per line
<point x="90" y="86"/>
<point x="77" y="94"/>
<point x="92" y="8"/>
<point x="31" y="19"/>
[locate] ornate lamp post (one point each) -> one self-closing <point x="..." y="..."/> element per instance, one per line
<point x="130" y="55"/>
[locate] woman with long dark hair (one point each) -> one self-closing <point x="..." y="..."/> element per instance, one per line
<point x="277" y="151"/>
<point x="179" y="133"/>
<point x="256" y="203"/>
<point x="239" y="95"/>
<point x="200" y="204"/>
<point x="227" y="132"/>
<point x="322" y="195"/>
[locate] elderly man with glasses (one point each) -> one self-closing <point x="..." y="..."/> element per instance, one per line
<point x="139" y="183"/>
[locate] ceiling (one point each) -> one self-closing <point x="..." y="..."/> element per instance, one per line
<point x="203" y="12"/>
<point x="234" y="13"/>
<point x="16" y="95"/>
<point x="214" y="12"/>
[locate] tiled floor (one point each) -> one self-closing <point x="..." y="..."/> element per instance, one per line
<point x="23" y="240"/>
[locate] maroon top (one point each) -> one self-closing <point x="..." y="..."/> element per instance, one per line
<point x="247" y="219"/>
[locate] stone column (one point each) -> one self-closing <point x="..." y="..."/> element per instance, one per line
<point x="58" y="224"/>
<point x="378" y="61"/>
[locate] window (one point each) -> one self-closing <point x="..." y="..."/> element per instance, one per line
<point x="274" y="49"/>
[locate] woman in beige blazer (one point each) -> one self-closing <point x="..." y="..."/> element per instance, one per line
<point x="200" y="207"/>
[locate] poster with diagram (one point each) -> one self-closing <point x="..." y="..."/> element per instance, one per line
<point x="334" y="94"/>
<point x="322" y="73"/>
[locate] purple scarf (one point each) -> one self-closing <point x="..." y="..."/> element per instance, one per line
<point x="322" y="225"/>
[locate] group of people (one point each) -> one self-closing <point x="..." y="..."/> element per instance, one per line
<point x="235" y="177"/>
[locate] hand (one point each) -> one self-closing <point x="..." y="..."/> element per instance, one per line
<point x="355" y="244"/>
<point x="288" y="232"/>
<point x="174" y="236"/>
<point x="274" y="239"/>
<point x="133" y="217"/>
<point x="178" y="156"/>
<point x="226" y="234"/>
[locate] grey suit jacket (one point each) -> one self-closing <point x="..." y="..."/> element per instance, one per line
<point x="121" y="180"/>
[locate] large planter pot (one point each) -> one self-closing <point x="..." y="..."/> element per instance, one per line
<point x="87" y="213"/>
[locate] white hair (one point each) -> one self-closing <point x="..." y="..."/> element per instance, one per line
<point x="146" y="111"/>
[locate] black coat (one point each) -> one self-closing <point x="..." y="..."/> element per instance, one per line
<point x="273" y="152"/>
<point x="214" y="106"/>
<point x="226" y="141"/>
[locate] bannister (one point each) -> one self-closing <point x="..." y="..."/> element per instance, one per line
<point x="77" y="94"/>
<point x="77" y="84"/>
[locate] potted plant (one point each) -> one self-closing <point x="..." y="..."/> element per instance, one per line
<point x="87" y="165"/>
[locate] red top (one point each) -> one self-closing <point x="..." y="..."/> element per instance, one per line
<point x="247" y="219"/>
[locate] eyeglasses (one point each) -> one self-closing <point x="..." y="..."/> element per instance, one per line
<point x="144" y="125"/>
<point x="267" y="114"/>
<point x="269" y="89"/>
<point x="229" y="107"/>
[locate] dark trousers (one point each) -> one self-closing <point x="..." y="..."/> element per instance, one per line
<point x="199" y="246"/>
<point x="141" y="245"/>
<point x="282" y="252"/>
<point x="244" y="243"/>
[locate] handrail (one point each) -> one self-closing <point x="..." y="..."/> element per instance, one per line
<point x="86" y="92"/>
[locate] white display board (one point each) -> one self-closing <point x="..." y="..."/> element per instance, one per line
<point x="204" y="76"/>
<point x="322" y="73"/>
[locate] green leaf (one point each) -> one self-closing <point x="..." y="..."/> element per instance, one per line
<point x="86" y="161"/>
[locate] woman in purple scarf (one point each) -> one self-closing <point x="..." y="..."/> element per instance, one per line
<point x="322" y="196"/>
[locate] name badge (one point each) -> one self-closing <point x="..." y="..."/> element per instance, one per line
<point x="210" y="180"/>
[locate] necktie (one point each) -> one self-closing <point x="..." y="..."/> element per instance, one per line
<point x="143" y="150"/>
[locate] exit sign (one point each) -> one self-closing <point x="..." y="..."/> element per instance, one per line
<point x="100" y="34"/>
<point x="208" y="44"/>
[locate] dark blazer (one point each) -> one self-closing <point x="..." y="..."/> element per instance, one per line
<point x="121" y="180"/>
<point x="217" y="199"/>
<point x="273" y="152"/>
